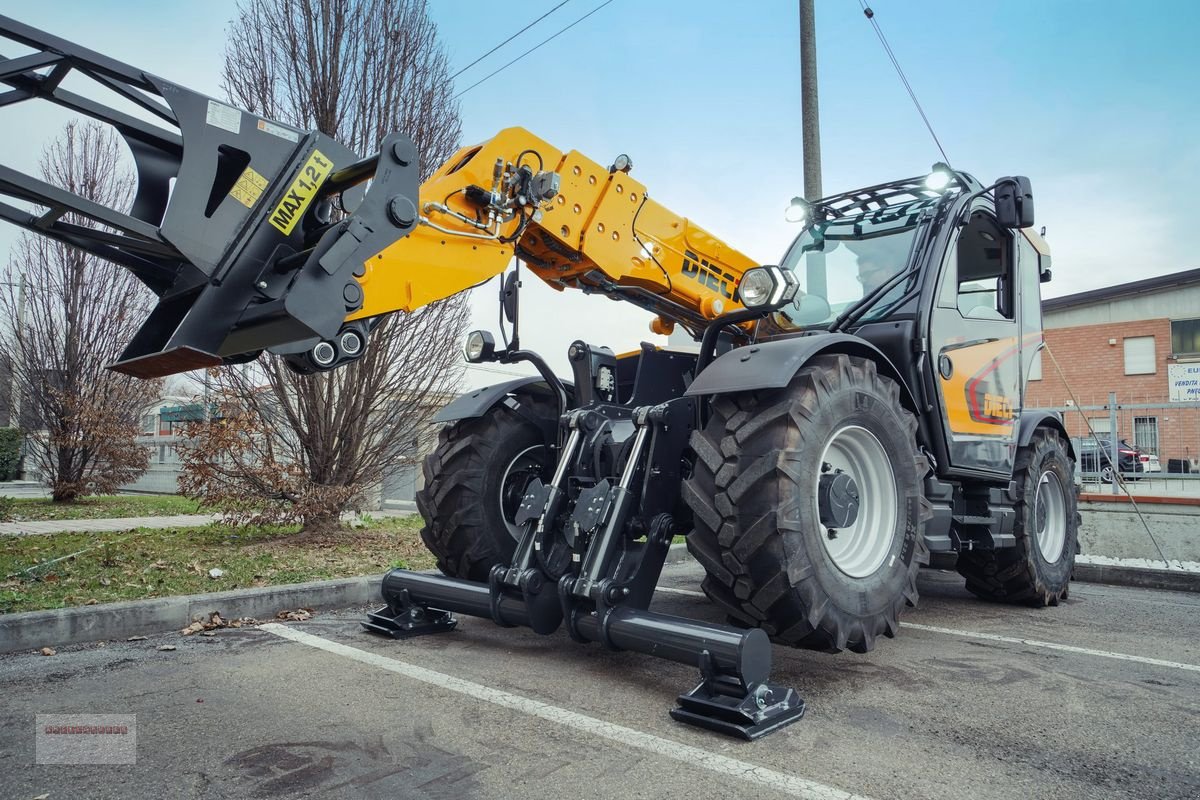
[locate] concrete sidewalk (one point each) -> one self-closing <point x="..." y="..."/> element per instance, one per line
<point x="129" y="523"/>
<point x="102" y="525"/>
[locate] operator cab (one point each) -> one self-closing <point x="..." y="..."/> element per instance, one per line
<point x="939" y="277"/>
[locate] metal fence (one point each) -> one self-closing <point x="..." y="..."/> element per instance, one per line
<point x="1154" y="445"/>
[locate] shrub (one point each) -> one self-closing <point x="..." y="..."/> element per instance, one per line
<point x="10" y="453"/>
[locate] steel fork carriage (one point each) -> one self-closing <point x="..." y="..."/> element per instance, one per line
<point x="591" y="556"/>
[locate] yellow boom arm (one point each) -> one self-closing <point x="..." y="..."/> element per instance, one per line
<point x="589" y="227"/>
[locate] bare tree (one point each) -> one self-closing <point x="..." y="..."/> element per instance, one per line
<point x="356" y="70"/>
<point x="78" y="315"/>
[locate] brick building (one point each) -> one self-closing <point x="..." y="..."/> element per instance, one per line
<point x="1140" y="340"/>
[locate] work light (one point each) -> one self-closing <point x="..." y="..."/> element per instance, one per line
<point x="939" y="178"/>
<point x="798" y="211"/>
<point x="480" y="346"/>
<point x="767" y="286"/>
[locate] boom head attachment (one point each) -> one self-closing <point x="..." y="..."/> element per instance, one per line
<point x="232" y="225"/>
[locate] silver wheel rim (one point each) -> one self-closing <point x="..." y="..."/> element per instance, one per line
<point x="860" y="549"/>
<point x="524" y="467"/>
<point x="1050" y="516"/>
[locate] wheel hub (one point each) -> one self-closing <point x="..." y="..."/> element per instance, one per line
<point x="528" y="464"/>
<point x="857" y="501"/>
<point x="1050" y="516"/>
<point x="837" y="499"/>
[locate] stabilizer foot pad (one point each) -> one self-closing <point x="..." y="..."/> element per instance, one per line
<point x="413" y="621"/>
<point x="723" y="706"/>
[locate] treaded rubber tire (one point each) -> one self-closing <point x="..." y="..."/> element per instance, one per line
<point x="757" y="527"/>
<point x="461" y="499"/>
<point x="1022" y="574"/>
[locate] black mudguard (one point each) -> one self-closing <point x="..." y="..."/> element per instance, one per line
<point x="772" y="364"/>
<point x="1033" y="418"/>
<point x="476" y="403"/>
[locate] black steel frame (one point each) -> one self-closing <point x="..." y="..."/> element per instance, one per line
<point x="590" y="557"/>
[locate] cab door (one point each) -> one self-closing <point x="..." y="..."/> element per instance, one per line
<point x="976" y="341"/>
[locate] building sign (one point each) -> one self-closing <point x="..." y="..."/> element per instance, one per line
<point x="193" y="412"/>
<point x="1184" y="382"/>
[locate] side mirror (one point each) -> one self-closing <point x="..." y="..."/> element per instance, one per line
<point x="508" y="296"/>
<point x="1014" y="202"/>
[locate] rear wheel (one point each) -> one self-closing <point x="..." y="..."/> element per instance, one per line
<point x="1037" y="571"/>
<point x="808" y="506"/>
<point x="474" y="483"/>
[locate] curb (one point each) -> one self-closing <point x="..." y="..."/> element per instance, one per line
<point x="32" y="630"/>
<point x="1173" y="580"/>
<point x="1169" y="579"/>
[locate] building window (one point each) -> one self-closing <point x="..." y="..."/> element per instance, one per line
<point x="1145" y="434"/>
<point x="164" y="427"/>
<point x="1185" y="337"/>
<point x="1035" y="367"/>
<point x="148" y="425"/>
<point x="1139" y="355"/>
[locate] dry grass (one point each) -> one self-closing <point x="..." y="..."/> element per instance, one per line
<point x="156" y="563"/>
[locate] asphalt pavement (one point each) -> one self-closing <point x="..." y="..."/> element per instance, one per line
<point x="1099" y="698"/>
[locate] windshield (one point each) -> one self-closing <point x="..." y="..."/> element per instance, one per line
<point x="840" y="261"/>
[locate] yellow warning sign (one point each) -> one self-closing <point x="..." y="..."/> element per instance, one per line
<point x="301" y="192"/>
<point x="248" y="188"/>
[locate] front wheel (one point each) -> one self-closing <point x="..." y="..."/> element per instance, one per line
<point x="1037" y="571"/>
<point x="808" y="506"/>
<point x="474" y="483"/>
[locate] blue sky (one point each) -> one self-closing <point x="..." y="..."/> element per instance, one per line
<point x="1095" y="101"/>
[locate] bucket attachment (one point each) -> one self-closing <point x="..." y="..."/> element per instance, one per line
<point x="232" y="224"/>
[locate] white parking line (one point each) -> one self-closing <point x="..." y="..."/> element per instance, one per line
<point x="692" y="756"/>
<point x="1066" y="648"/>
<point x="993" y="637"/>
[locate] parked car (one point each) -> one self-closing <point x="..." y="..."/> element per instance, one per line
<point x="1094" y="459"/>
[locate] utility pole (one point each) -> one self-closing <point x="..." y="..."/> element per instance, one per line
<point x="810" y="129"/>
<point x="810" y="119"/>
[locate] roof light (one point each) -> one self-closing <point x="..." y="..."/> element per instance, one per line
<point x="800" y="210"/>
<point x="940" y="177"/>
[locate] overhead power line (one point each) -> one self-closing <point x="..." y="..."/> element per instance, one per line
<point x="535" y="47"/>
<point x="870" y="15"/>
<point x="509" y="39"/>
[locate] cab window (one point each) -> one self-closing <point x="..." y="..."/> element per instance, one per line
<point x="983" y="285"/>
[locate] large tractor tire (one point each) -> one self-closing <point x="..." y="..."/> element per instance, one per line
<point x="761" y="462"/>
<point x="1037" y="571"/>
<point x="474" y="482"/>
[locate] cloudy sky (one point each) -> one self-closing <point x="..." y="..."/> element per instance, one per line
<point x="1095" y="101"/>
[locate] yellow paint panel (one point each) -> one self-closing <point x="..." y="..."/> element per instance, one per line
<point x="976" y="395"/>
<point x="581" y="185"/>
